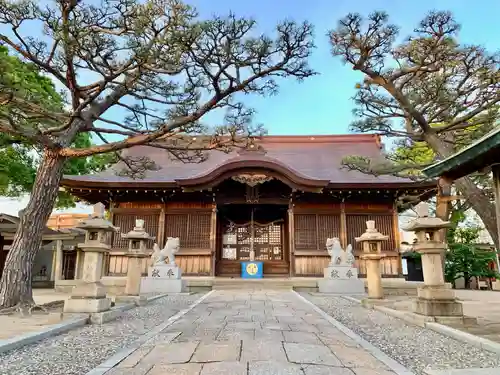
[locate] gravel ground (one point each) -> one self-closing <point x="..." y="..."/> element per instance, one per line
<point x="414" y="347"/>
<point x="80" y="350"/>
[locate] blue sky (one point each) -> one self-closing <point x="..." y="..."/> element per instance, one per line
<point x="322" y="104"/>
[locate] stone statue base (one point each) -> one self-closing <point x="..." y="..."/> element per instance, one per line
<point x="86" y="305"/>
<point x="164" y="278"/>
<point x="87" y="298"/>
<point x="341" y="280"/>
<point x="437" y="301"/>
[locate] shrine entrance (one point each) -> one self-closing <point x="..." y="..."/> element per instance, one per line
<point x="247" y="231"/>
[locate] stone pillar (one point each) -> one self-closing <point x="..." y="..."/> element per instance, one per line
<point x="434" y="298"/>
<point x="371" y="242"/>
<point x="89" y="295"/>
<point x="136" y="253"/>
<point x="58" y="262"/>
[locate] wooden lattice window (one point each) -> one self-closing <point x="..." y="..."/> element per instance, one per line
<point x="305" y="231"/>
<point x="312" y="230"/>
<point x="193" y="229"/>
<point x="356" y="226"/>
<point x="126" y="222"/>
<point x="328" y="227"/>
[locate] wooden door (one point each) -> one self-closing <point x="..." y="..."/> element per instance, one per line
<point x="268" y="244"/>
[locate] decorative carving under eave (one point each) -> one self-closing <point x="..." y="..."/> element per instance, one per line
<point x="252" y="179"/>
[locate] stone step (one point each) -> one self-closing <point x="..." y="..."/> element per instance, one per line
<point x="234" y="284"/>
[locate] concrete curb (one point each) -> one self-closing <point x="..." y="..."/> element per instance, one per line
<point x="352" y="299"/>
<point x="122" y="354"/>
<point x="395" y="366"/>
<point x="32" y="337"/>
<point x="445" y="330"/>
<point x="56" y="329"/>
<point x="468" y="338"/>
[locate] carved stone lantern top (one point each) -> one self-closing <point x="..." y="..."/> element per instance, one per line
<point x="425" y="223"/>
<point x="96" y="221"/>
<point x="371" y="234"/>
<point x="138" y="233"/>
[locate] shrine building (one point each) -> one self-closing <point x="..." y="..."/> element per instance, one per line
<point x="282" y="195"/>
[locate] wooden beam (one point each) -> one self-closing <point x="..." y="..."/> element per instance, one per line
<point x="452" y="198"/>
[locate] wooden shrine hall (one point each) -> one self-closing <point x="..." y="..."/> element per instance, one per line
<point x="284" y="194"/>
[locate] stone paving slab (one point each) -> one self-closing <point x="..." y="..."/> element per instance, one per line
<point x="251" y="333"/>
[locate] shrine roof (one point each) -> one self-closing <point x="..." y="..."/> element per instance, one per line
<point x="307" y="160"/>
<point x="477" y="156"/>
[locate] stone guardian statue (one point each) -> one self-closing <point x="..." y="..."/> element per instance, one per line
<point x="334" y="250"/>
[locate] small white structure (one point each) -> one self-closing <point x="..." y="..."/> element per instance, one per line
<point x="341" y="276"/>
<point x="163" y="277"/>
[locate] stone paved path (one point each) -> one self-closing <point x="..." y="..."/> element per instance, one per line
<point x="251" y="333"/>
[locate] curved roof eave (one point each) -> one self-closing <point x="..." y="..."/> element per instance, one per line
<point x="260" y="163"/>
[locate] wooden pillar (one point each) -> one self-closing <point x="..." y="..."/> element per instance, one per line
<point x="397" y="238"/>
<point x="443" y="203"/>
<point x="57" y="271"/>
<point x="213" y="238"/>
<point x="343" y="226"/>
<point x="3" y="256"/>
<point x="160" y="240"/>
<point x="111" y="219"/>
<point x="291" y="240"/>
<point x="496" y="187"/>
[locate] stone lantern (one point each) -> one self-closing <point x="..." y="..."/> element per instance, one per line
<point x="89" y="295"/>
<point x="137" y="239"/>
<point x="434" y="298"/>
<point x="371" y="242"/>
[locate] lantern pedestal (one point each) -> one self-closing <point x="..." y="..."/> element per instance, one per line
<point x="342" y="279"/>
<point x="89" y="295"/>
<point x="371" y="242"/>
<point x="435" y="300"/>
<point x="373" y="275"/>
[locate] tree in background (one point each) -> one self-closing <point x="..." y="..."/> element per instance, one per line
<point x="146" y="72"/>
<point x="465" y="259"/>
<point x="428" y="92"/>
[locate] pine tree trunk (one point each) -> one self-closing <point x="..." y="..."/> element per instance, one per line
<point x="15" y="285"/>
<point x="481" y="203"/>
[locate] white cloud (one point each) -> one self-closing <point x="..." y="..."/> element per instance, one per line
<point x="12" y="206"/>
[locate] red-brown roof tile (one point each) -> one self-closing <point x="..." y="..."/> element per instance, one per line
<point x="308" y="157"/>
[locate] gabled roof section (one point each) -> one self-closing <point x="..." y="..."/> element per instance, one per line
<point x="475" y="157"/>
<point x="313" y="161"/>
<point x="8" y="219"/>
